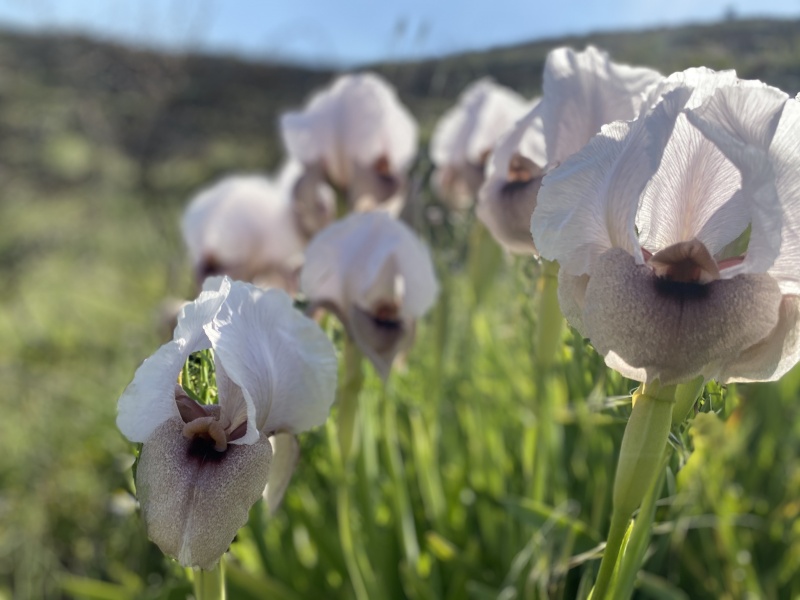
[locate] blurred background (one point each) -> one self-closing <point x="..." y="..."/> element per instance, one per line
<point x="112" y="114"/>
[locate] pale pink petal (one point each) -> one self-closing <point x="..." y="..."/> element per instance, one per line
<point x="505" y="205"/>
<point x="525" y="138"/>
<point x="582" y="92"/>
<point x="588" y="204"/>
<point x="744" y="123"/>
<point x="346" y="259"/>
<point x="282" y="361"/>
<point x="701" y="82"/>
<point x="149" y="399"/>
<point x="694" y="182"/>
<point x="484" y="111"/>
<point x="771" y="358"/>
<point x="285" y="456"/>
<point x="357" y="120"/>
<point x="240" y="226"/>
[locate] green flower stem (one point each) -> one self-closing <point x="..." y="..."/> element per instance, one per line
<point x="685" y="397"/>
<point x="640" y="536"/>
<point x="349" y="549"/>
<point x="548" y="342"/>
<point x="347" y="399"/>
<point x="551" y="322"/>
<point x="640" y="458"/>
<point x="342" y="204"/>
<point x="210" y="585"/>
<point x="405" y="515"/>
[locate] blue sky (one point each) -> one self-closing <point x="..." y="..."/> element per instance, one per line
<point x="349" y="32"/>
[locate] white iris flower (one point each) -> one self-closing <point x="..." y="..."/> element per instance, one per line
<point x="677" y="233"/>
<point x="202" y="467"/>
<point x="357" y="136"/>
<point x="376" y="276"/>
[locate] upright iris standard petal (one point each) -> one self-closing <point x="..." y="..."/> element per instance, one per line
<point x="465" y="135"/>
<point x="202" y="467"/>
<point x="242" y="226"/>
<point x="709" y="176"/>
<point x="376" y="276"/>
<point x="582" y="91"/>
<point x="291" y="390"/>
<point x="757" y="129"/>
<point x="359" y="135"/>
<point x="149" y="399"/>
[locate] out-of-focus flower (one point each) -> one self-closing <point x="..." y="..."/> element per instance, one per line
<point x="465" y="136"/>
<point x="582" y="91"/>
<point x="376" y="276"/>
<point x="677" y="233"/>
<point x="202" y="467"/>
<point x="312" y="200"/>
<point x="243" y="226"/>
<point x="357" y="136"/>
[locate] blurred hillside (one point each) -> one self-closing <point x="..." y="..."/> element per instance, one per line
<point x="72" y="109"/>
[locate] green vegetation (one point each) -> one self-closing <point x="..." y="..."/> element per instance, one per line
<point x="479" y="475"/>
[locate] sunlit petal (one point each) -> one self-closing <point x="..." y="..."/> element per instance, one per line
<point x="757" y="130"/>
<point x="281" y="360"/>
<point x="285" y="456"/>
<point x="149" y="399"/>
<point x="694" y="183"/>
<point x="344" y="261"/>
<point x="582" y="92"/>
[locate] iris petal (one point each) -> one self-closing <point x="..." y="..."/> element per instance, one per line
<point x="149" y="399"/>
<point x="194" y="499"/>
<point x="675" y="331"/>
<point x="285" y="456"/>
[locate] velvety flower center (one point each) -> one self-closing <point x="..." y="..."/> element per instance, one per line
<point x="685" y="262"/>
<point x="522" y="170"/>
<point x="382" y="167"/>
<point x="386" y="313"/>
<point x="209" y="267"/>
<point x="206" y="425"/>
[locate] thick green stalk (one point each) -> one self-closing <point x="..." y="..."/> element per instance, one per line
<point x="640" y="457"/>
<point x="210" y="585"/>
<point x="640" y="536"/>
<point x="551" y="321"/>
<point x="548" y="343"/>
<point x="347" y="399"/>
<point x="349" y="549"/>
<point x="405" y="515"/>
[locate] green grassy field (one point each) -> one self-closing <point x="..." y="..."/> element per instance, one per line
<point x="479" y="474"/>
